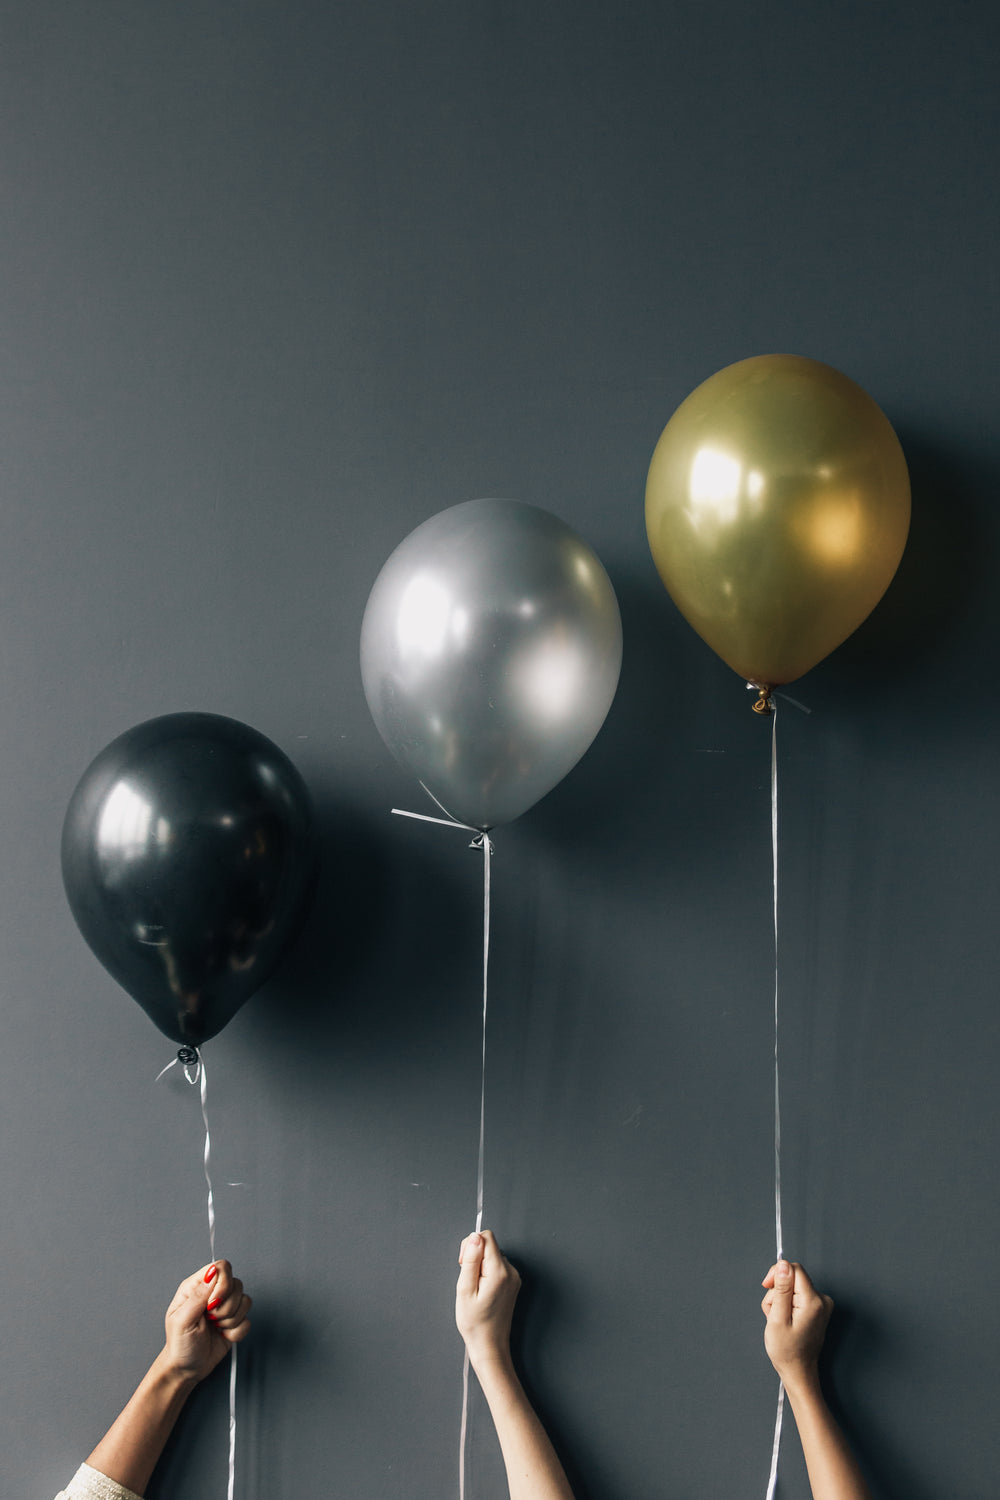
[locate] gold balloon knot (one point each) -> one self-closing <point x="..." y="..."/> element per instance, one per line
<point x="763" y="704"/>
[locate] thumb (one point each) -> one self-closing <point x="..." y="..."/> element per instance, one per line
<point x="471" y="1261"/>
<point x="780" y="1310"/>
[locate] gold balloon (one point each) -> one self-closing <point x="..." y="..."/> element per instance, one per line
<point x="777" y="509"/>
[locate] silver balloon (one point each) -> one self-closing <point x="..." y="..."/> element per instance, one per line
<point x="490" y="653"/>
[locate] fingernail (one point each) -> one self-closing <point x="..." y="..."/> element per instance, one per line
<point x="214" y="1303"/>
<point x="783" y="1268"/>
<point x="211" y="1274"/>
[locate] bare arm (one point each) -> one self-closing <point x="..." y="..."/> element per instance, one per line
<point x="484" y="1305"/>
<point x="207" y="1316"/>
<point x="797" y="1316"/>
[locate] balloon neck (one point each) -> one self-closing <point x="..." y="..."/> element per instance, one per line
<point x="763" y="704"/>
<point x="187" y="1057"/>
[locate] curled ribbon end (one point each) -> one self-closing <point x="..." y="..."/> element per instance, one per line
<point x="763" y="703"/>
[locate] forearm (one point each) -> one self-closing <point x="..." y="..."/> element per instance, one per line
<point x="833" y="1473"/>
<point x="129" y="1451"/>
<point x="533" y="1470"/>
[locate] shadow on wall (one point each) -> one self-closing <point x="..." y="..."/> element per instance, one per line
<point x="394" y="912"/>
<point x="941" y="610"/>
<point x="549" y="1305"/>
<point x="861" y="1337"/>
<point x="636" y="777"/>
<point x="545" y="1301"/>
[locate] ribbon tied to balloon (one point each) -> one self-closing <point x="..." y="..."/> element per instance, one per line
<point x="490" y="652"/>
<point x="188" y="857"/>
<point x="777" y="510"/>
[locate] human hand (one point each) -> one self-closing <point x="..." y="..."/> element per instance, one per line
<point x="206" y="1317"/>
<point x="484" y="1298"/>
<point x="797" y="1316"/>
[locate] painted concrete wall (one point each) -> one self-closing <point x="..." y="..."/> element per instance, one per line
<point x="278" y="282"/>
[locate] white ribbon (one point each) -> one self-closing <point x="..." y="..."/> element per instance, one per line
<point x="232" y="1423"/>
<point x="778" y="1236"/>
<point x="200" y="1076"/>
<point x="481" y="839"/>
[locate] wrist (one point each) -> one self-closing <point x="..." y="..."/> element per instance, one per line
<point x="176" y="1380"/>
<point x="801" y="1382"/>
<point x="489" y="1358"/>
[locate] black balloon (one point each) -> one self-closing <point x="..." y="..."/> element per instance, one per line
<point x="188" y="857"/>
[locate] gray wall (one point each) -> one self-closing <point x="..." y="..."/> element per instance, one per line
<point x="280" y="280"/>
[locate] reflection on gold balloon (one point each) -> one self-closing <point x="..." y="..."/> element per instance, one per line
<point x="777" y="509"/>
<point x="834" y="531"/>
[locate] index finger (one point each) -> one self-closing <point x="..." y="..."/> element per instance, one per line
<point x="801" y="1281"/>
<point x="210" y="1283"/>
<point x="195" y="1284"/>
<point x="491" y="1250"/>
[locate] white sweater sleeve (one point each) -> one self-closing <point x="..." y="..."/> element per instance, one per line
<point x="89" y="1484"/>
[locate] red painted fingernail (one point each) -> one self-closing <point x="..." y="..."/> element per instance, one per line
<point x="214" y="1303"/>
<point x="211" y="1274"/>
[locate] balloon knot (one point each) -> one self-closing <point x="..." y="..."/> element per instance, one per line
<point x="187" y="1057"/>
<point x="763" y="704"/>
